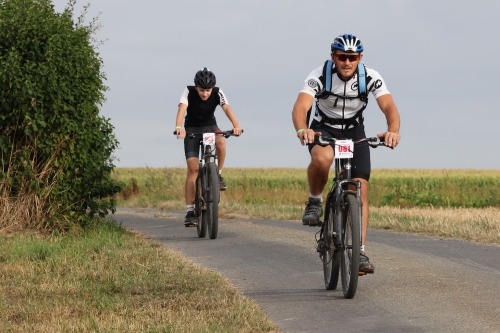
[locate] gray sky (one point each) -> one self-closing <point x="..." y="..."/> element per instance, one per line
<point x="437" y="58"/>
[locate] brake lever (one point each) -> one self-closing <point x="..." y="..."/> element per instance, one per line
<point x="374" y="142"/>
<point x="322" y="142"/>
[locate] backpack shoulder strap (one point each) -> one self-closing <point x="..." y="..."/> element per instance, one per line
<point x="326" y="81"/>
<point x="327" y="75"/>
<point x="362" y="91"/>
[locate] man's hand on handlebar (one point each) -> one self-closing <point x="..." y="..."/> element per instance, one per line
<point x="307" y="136"/>
<point x="391" y="139"/>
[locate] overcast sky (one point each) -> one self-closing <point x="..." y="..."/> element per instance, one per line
<point x="438" y="59"/>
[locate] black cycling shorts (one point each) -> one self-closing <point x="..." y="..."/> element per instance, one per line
<point x="361" y="165"/>
<point x="192" y="146"/>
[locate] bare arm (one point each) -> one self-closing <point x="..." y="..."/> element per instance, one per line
<point x="181" y="132"/>
<point x="299" y="117"/>
<point x="232" y="118"/>
<point x="388" y="107"/>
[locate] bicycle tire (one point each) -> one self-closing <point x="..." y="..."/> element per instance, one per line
<point x="331" y="257"/>
<point x="201" y="217"/>
<point x="213" y="194"/>
<point x="351" y="244"/>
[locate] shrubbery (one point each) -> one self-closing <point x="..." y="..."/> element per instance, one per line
<point x="55" y="147"/>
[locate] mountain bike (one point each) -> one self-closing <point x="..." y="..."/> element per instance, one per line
<point x="207" y="197"/>
<point x="339" y="243"/>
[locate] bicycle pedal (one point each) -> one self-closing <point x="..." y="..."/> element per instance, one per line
<point x="320" y="224"/>
<point x="362" y="273"/>
<point x="321" y="246"/>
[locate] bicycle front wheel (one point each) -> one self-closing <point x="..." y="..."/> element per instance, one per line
<point x="351" y="244"/>
<point x="213" y="193"/>
<point x="201" y="218"/>
<point x="331" y="257"/>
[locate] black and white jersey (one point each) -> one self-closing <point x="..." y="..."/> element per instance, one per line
<point x="332" y="106"/>
<point x="200" y="113"/>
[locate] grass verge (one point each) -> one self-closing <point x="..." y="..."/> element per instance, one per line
<point x="106" y="279"/>
<point x="476" y="224"/>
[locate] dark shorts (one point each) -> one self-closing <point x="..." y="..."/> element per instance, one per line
<point x="192" y="146"/>
<point x="361" y="165"/>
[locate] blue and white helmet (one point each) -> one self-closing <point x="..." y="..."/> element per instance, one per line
<point x="347" y="43"/>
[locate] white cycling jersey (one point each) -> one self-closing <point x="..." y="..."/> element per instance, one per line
<point x="332" y="106"/>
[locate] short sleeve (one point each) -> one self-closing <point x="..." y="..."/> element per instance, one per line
<point x="222" y="98"/>
<point x="377" y="84"/>
<point x="312" y="84"/>
<point x="184" y="97"/>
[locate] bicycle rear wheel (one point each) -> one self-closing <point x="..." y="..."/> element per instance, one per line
<point x="351" y="243"/>
<point x="213" y="193"/>
<point x="201" y="218"/>
<point x="331" y="257"/>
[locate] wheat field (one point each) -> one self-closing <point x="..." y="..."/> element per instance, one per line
<point x="462" y="204"/>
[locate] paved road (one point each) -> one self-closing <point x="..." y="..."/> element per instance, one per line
<point x="421" y="284"/>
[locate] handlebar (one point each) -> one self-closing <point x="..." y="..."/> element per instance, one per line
<point x="226" y="134"/>
<point x="373" y="142"/>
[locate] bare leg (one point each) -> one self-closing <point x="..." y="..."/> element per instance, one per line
<point x="192" y="174"/>
<point x="317" y="172"/>
<point x="220" y="150"/>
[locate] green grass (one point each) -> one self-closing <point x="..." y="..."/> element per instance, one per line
<point x="454" y="191"/>
<point x="106" y="279"/>
<point x="164" y="188"/>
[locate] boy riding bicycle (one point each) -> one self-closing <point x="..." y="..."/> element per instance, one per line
<point x="338" y="114"/>
<point x="198" y="103"/>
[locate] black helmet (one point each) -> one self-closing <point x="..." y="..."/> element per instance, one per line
<point x="204" y="79"/>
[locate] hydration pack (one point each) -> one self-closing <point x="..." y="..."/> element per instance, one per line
<point x="327" y="87"/>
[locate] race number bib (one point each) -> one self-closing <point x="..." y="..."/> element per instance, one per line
<point x="209" y="139"/>
<point x="344" y="149"/>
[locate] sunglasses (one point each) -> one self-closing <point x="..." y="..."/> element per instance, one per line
<point x="344" y="57"/>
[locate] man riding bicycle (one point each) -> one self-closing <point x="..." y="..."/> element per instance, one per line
<point x="199" y="102"/>
<point x="339" y="114"/>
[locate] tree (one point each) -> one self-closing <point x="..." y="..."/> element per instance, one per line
<point x="54" y="145"/>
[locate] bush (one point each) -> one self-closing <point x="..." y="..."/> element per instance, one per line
<point x="54" y="145"/>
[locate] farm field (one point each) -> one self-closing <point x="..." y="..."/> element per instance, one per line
<point x="461" y="204"/>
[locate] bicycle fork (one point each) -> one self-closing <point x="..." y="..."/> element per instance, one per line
<point x="202" y="196"/>
<point x="340" y="206"/>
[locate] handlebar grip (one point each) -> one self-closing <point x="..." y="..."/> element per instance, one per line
<point x="228" y="134"/>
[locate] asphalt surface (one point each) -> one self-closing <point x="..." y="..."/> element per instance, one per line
<point x="421" y="284"/>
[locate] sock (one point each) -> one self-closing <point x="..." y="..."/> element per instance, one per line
<point x="220" y="172"/>
<point x="362" y="248"/>
<point x="319" y="196"/>
<point x="189" y="208"/>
